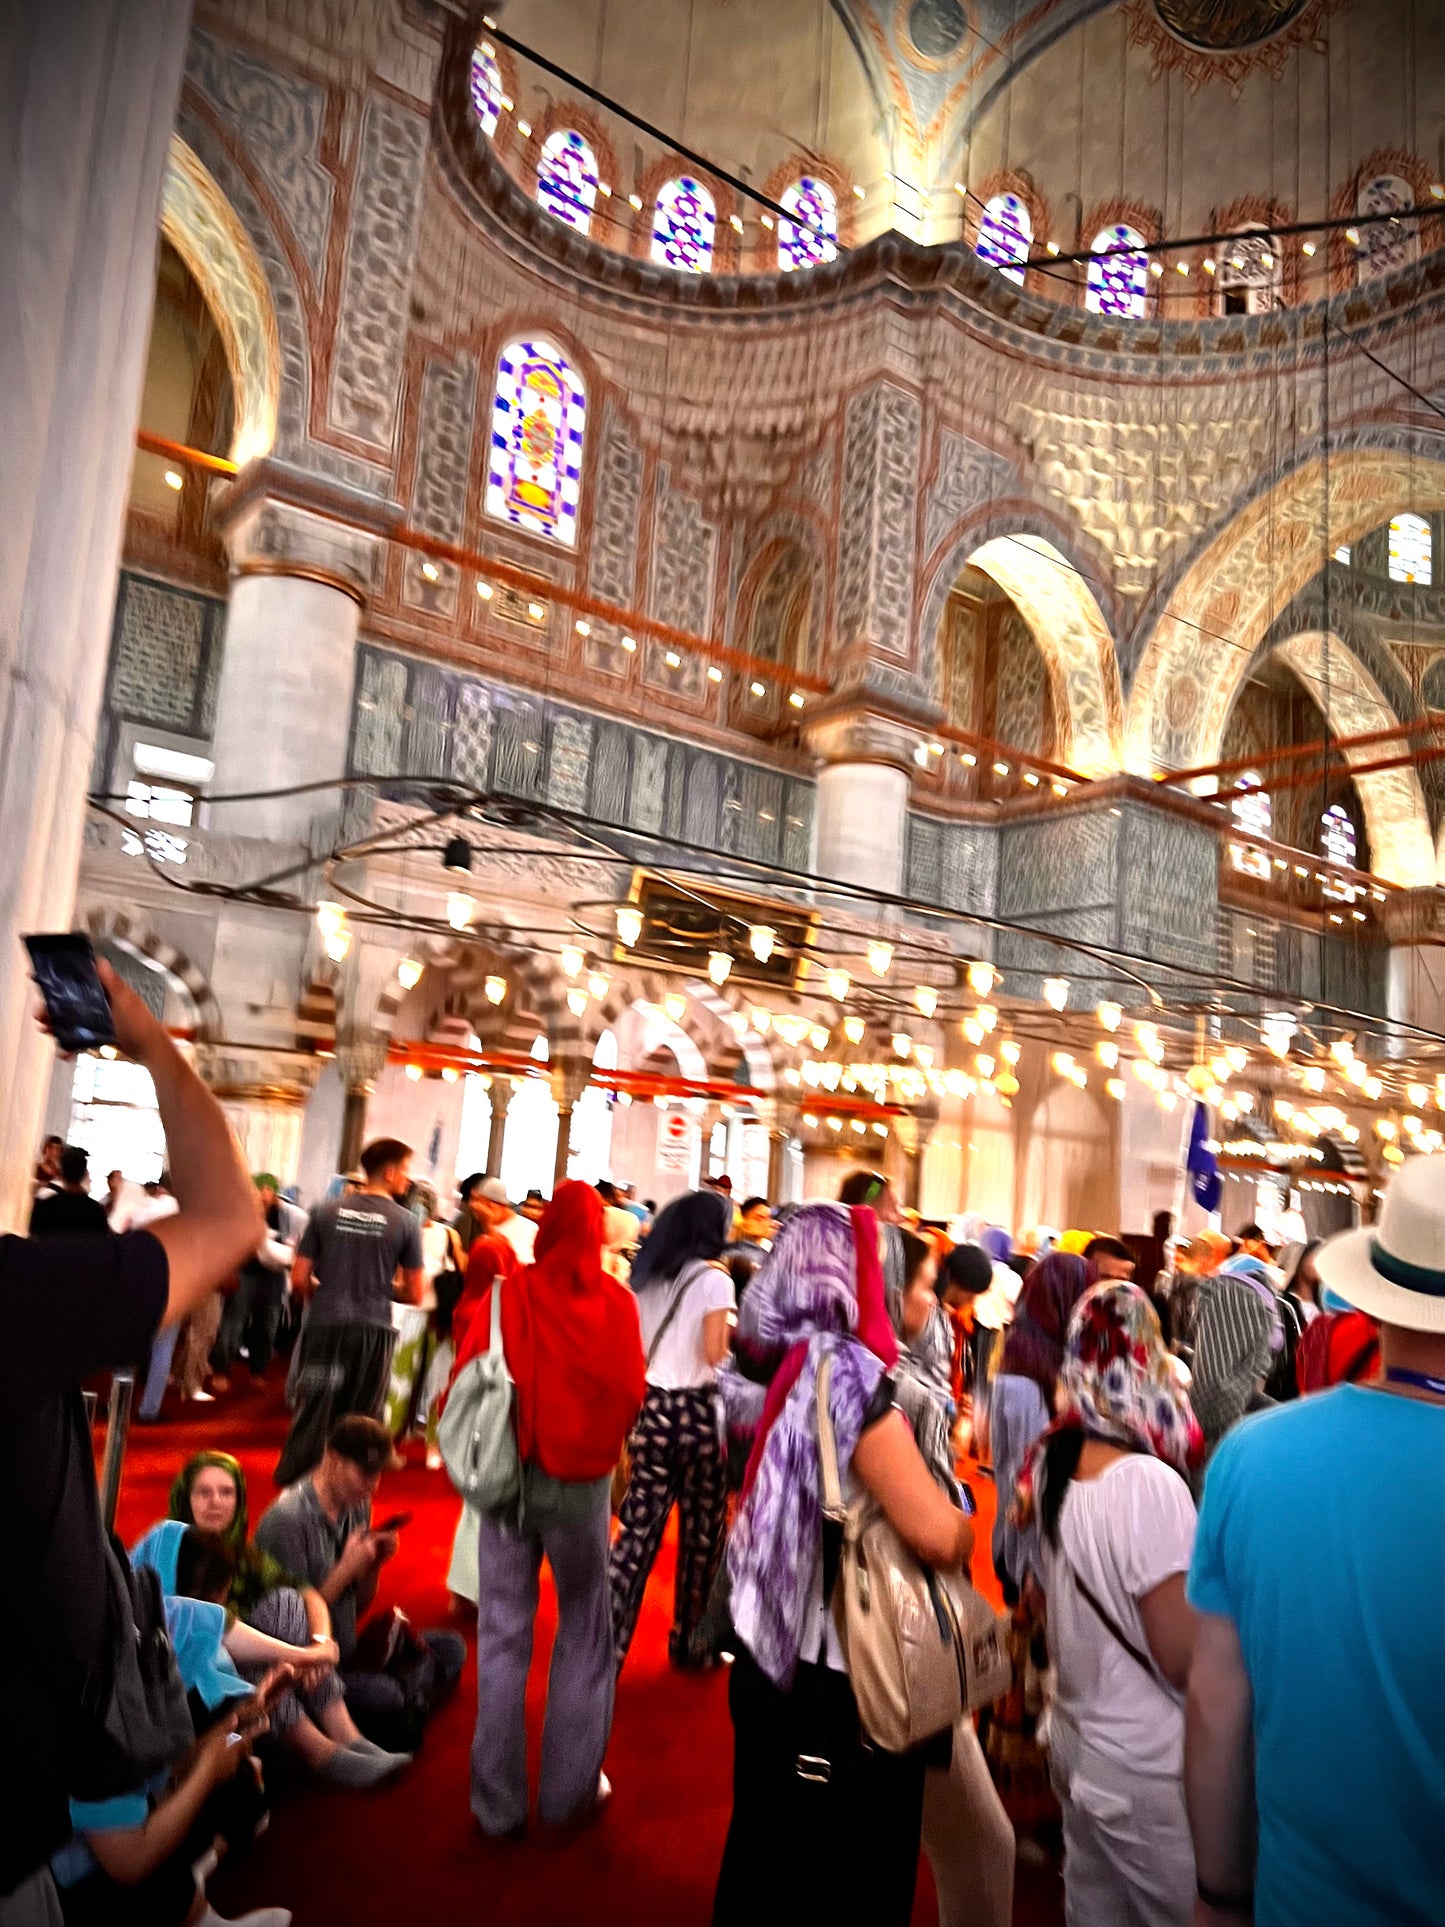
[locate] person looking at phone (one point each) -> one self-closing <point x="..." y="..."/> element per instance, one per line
<point x="320" y="1530"/>
<point x="74" y="1306"/>
<point x="355" y="1254"/>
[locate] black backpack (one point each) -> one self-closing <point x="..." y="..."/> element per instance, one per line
<point x="136" y="1721"/>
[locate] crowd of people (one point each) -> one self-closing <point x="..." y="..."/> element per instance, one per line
<point x="1218" y="1527"/>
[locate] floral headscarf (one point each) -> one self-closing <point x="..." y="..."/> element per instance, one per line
<point x="1117" y="1384"/>
<point x="818" y="1293"/>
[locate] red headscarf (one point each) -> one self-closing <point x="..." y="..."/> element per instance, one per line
<point x="572" y="1343"/>
<point x="490" y="1258"/>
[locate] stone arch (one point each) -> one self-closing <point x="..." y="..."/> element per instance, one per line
<point x="780" y="604"/>
<point x="202" y="226"/>
<point x="535" y="1003"/>
<point x="762" y="1072"/>
<point x="629" y="989"/>
<point x="1397" y="820"/>
<point x="1058" y="603"/>
<point x="1221" y="606"/>
<point x="119" y="926"/>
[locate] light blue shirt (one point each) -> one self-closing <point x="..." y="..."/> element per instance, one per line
<point x="1322" y="1537"/>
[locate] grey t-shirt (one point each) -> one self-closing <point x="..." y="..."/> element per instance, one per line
<point x="297" y="1533"/>
<point x="355" y="1245"/>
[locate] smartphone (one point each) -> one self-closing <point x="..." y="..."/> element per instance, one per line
<point x="76" y="1005"/>
<point x="966" y="1498"/>
<point x="394" y="1523"/>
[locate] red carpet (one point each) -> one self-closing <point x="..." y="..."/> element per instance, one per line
<point x="410" y="1853"/>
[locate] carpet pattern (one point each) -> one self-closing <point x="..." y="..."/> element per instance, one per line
<point x="410" y="1852"/>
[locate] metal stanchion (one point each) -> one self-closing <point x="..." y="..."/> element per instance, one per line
<point x="122" y="1392"/>
<point x="90" y="1404"/>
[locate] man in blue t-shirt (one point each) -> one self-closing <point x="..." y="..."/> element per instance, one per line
<point x="1315" y="1738"/>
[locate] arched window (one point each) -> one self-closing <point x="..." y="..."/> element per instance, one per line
<point x="1118" y="273"/>
<point x="486" y="88"/>
<point x="1409" y="549"/>
<point x="1254" y="817"/>
<point x="567" y="178"/>
<point x="1388" y="244"/>
<point x="1248" y="277"/>
<point x="1005" y="235"/>
<point x="683" y="224"/>
<point x="1337" y="845"/>
<point x="813" y="236"/>
<point x="534" y="474"/>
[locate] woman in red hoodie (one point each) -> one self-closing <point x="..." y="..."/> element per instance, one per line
<point x="572" y="1345"/>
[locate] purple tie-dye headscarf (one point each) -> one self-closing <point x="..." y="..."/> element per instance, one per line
<point x="804" y="1299"/>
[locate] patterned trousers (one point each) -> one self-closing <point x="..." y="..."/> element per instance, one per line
<point x="676" y="1460"/>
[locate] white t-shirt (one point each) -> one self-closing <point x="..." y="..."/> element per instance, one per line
<point x="1126" y="1532"/>
<point x="680" y="1362"/>
<point x="521" y="1234"/>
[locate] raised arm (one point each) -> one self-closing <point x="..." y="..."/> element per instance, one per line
<point x="219" y="1224"/>
<point x="890" y="1465"/>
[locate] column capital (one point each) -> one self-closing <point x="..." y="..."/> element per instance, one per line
<point x="360" y="1062"/>
<point x="863" y="735"/>
<point x="280" y="520"/>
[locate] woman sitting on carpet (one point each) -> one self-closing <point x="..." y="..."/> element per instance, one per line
<point x="841" y="1844"/>
<point x="569" y="1332"/>
<point x="1107" y="1484"/>
<point x="312" y="1722"/>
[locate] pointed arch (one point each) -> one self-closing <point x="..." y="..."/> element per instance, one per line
<point x="201" y="225"/>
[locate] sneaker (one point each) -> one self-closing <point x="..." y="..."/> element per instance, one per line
<point x="201" y="1397"/>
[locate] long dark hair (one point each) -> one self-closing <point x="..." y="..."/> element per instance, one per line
<point x="696" y="1225"/>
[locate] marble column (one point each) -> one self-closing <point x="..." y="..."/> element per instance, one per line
<point x="861" y="813"/>
<point x="359" y="1065"/>
<point x="90" y="90"/>
<point x="1414" y="922"/>
<point x="303" y="555"/>
<point x="780" y="1135"/>
<point x="501" y="1096"/>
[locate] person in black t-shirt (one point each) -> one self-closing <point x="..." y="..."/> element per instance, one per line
<point x="70" y="1211"/>
<point x="72" y="1306"/>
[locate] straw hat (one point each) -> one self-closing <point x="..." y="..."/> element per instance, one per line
<point x="1395" y="1270"/>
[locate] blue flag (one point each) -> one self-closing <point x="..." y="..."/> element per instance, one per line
<point x="1201" y="1164"/>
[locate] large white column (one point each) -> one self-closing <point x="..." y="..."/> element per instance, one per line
<point x="88" y="95"/>
<point x="283" y="710"/>
<point x="861" y="809"/>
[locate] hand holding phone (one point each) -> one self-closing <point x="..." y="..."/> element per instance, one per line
<point x="77" y="1008"/>
<point x="393" y="1524"/>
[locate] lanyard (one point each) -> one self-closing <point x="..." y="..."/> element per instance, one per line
<point x="1422" y="1381"/>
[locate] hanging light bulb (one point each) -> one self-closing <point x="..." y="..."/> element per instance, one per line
<point x="1006" y="1084"/>
<point x="571" y="959"/>
<point x="762" y="938"/>
<point x="1372" y="1088"/>
<point x="1010" y="1051"/>
<point x="719" y="966"/>
<point x="330" y="917"/>
<point x="675" y="1007"/>
<point x="902" y="1043"/>
<point x="839" y="983"/>
<point x="853" y="1029"/>
<point x="1418" y="1094"/>
<point x="597" y="985"/>
<point x="495" y="990"/>
<point x="337" y="945"/>
<point x="1114" y="1087"/>
<point x="1343" y="1051"/>
<point x="818" y="1037"/>
<point x="1107" y="1053"/>
<point x="1056" y="992"/>
<point x="981" y="978"/>
<point x="984" y="1064"/>
<point x="762" y="1018"/>
<point x="577" y="1001"/>
<point x="1236" y="1057"/>
<point x="880" y="958"/>
<point x="1313" y="1079"/>
<point x="973" y="1030"/>
<point x="450" y="1073"/>
<point x="629" y="923"/>
<point x="1108" y="1015"/>
<point x="414" y="1072"/>
<point x="923" y="1055"/>
<point x="409" y="972"/>
<point x="738" y="1024"/>
<point x="459" y="909"/>
<point x="925" y="999"/>
<point x="986" y="1015"/>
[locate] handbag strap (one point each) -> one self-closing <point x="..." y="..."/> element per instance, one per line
<point x="1110" y="1624"/>
<point x="833" y="1506"/>
<point x="686" y="1278"/>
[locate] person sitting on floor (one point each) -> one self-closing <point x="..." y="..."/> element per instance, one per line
<point x="320" y="1530"/>
<point x="313" y="1721"/>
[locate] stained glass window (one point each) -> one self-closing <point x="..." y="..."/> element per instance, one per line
<point x="1409" y="549"/>
<point x="1337" y="845"/>
<point x="683" y="223"/>
<point x="813" y="236"/>
<point x="486" y="88"/>
<point x="1249" y="274"/>
<point x="1118" y="273"/>
<point x="567" y="178"/>
<point x="1253" y="816"/>
<point x="534" y="475"/>
<point x="1389" y="244"/>
<point x="1005" y="235"/>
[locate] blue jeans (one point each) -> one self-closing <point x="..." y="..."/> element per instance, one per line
<point x="158" y="1372"/>
<point x="569" y="1523"/>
